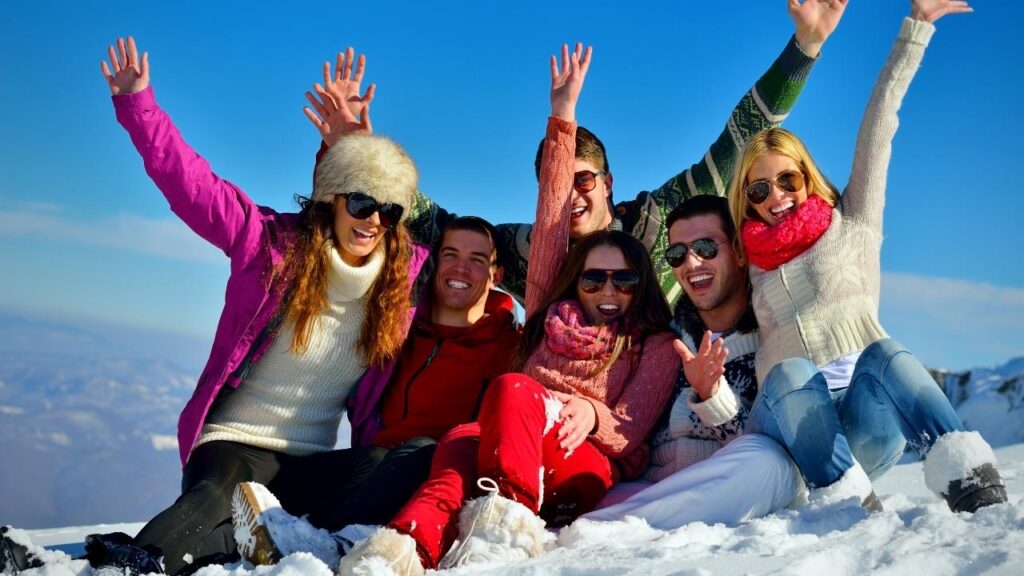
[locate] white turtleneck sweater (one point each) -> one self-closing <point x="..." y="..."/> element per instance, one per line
<point x="293" y="403"/>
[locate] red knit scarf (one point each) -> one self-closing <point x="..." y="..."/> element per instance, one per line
<point x="769" y="247"/>
<point x="569" y="335"/>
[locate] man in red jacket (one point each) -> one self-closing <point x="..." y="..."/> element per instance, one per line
<point x="463" y="336"/>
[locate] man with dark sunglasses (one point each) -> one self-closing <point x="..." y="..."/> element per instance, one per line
<point x="700" y="465"/>
<point x="765" y="105"/>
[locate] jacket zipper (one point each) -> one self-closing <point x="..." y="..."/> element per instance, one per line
<point x="408" y="386"/>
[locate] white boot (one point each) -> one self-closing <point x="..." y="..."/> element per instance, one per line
<point x="494" y="528"/>
<point x="961" y="468"/>
<point x="854" y="483"/>
<point x="386" y="553"/>
<point x="265" y="533"/>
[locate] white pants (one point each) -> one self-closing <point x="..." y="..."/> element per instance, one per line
<point x="750" y="477"/>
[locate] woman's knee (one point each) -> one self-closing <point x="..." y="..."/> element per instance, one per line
<point x="792" y="375"/>
<point x="511" y="388"/>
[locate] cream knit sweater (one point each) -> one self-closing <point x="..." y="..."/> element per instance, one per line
<point x="293" y="403"/>
<point x="823" y="304"/>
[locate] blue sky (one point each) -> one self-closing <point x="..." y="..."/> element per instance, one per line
<point x="463" y="86"/>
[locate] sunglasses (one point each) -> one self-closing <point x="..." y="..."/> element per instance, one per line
<point x="584" y="181"/>
<point x="361" y="206"/>
<point x="788" y="181"/>
<point x="593" y="280"/>
<point x="704" y="248"/>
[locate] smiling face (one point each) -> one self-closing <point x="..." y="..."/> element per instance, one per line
<point x="355" y="239"/>
<point x="716" y="286"/>
<point x="607" y="304"/>
<point x="780" y="204"/>
<point x="590" y="209"/>
<point x="466" y="272"/>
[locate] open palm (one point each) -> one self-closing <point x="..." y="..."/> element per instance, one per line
<point x="127" y="74"/>
<point x="932" y="10"/>
<point x="815" y="20"/>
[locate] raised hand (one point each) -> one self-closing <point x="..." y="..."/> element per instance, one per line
<point x="932" y="10"/>
<point x="567" y="83"/>
<point x="130" y="75"/>
<point x="578" y="418"/>
<point x="815" y="21"/>
<point x="337" y="108"/>
<point x="704" y="368"/>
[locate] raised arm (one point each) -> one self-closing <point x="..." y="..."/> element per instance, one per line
<point x="212" y="207"/>
<point x="864" y="198"/>
<point x="549" y="246"/>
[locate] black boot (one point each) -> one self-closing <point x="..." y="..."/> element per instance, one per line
<point x="15" y="557"/>
<point x="983" y="487"/>
<point x="117" y="551"/>
<point x="872" y="504"/>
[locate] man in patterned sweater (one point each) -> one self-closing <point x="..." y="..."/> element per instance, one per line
<point x="701" y="465"/>
<point x="765" y="105"/>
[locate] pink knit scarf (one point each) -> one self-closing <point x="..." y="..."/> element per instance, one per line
<point x="769" y="247"/>
<point x="569" y="335"/>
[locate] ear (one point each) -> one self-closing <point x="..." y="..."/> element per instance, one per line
<point x="608" y="184"/>
<point x="499" y="273"/>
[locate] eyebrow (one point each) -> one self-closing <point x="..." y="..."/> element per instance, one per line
<point x="472" y="253"/>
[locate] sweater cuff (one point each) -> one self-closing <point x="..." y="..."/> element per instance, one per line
<point x="717" y="410"/>
<point x="140" y="100"/>
<point x="916" y="31"/>
<point x="794" y="64"/>
<point x="557" y="125"/>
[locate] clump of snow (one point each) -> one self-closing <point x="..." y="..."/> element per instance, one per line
<point x="552" y="410"/>
<point x="953" y="456"/>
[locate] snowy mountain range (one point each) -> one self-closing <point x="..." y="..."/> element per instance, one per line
<point x="88" y="418"/>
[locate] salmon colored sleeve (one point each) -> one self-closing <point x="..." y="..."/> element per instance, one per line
<point x="549" y="240"/>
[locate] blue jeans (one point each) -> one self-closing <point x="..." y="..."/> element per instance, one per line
<point x="891" y="403"/>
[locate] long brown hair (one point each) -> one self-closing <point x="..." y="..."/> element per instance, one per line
<point x="648" y="312"/>
<point x="307" y="264"/>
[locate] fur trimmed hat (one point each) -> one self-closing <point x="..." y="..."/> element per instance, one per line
<point x="373" y="165"/>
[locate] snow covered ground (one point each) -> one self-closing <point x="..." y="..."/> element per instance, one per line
<point x="917" y="534"/>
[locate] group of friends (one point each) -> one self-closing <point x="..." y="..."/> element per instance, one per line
<point x="706" y="351"/>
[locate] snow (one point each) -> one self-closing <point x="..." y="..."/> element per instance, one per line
<point x="916" y="534"/>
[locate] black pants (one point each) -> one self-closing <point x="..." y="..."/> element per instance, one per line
<point x="356" y="485"/>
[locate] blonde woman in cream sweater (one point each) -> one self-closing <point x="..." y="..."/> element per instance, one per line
<point x="835" y="390"/>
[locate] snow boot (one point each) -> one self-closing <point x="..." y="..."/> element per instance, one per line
<point x="494" y="528"/>
<point x="961" y="468"/>
<point x="249" y="503"/>
<point x="15" y="555"/>
<point x="854" y="483"/>
<point x="982" y="487"/>
<point x="116" y="554"/>
<point x="386" y="552"/>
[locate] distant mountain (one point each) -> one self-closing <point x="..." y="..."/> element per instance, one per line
<point x="985" y="396"/>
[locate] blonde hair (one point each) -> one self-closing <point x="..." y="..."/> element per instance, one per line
<point x="773" y="141"/>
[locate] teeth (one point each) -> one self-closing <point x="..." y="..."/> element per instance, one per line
<point x="362" y="234"/>
<point x="782" y="207"/>
<point x="700" y="278"/>
<point x="610" y="307"/>
<point x="579" y="210"/>
<point x="458" y="284"/>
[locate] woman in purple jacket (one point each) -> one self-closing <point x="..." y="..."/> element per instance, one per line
<point x="314" y="300"/>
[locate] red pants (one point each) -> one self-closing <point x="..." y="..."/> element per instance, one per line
<point x="508" y="445"/>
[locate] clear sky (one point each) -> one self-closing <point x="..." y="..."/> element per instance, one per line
<point x="463" y="86"/>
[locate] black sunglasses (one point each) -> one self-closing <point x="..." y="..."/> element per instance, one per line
<point x="704" y="248"/>
<point x="625" y="281"/>
<point x="788" y="181"/>
<point x="585" y="180"/>
<point x="361" y="206"/>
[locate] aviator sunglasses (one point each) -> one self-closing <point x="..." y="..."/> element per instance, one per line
<point x="584" y="181"/>
<point x="704" y="248"/>
<point x="593" y="280"/>
<point x="361" y="206"/>
<point x="788" y="181"/>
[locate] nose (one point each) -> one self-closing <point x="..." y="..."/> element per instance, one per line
<point x="374" y="218"/>
<point x="608" y="288"/>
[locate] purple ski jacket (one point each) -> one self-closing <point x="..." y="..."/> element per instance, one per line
<point x="254" y="238"/>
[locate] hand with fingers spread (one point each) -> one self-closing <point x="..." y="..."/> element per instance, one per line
<point x="127" y="74"/>
<point x="567" y="83"/>
<point x="337" y="107"/>
<point x="931" y="10"/>
<point x="578" y="419"/>
<point x="815" y="21"/>
<point x="705" y="368"/>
